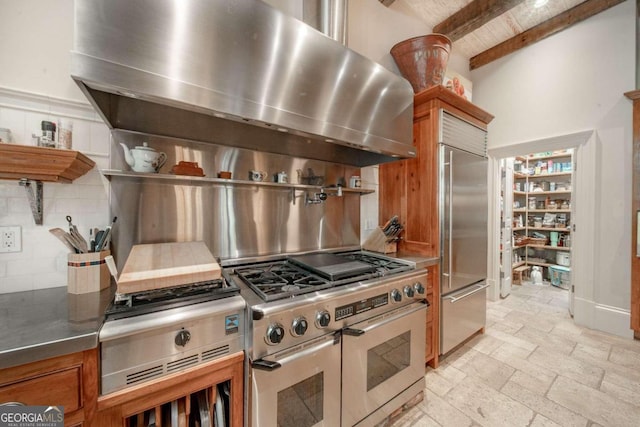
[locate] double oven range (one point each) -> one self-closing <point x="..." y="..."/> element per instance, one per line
<point x="332" y="338"/>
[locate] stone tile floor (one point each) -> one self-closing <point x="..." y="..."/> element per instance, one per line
<point x="533" y="367"/>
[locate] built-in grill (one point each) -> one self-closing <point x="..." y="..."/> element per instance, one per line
<point x="128" y="305"/>
<point x="156" y="332"/>
<point x="323" y="325"/>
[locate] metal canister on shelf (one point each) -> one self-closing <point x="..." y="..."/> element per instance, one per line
<point x="532" y="202"/>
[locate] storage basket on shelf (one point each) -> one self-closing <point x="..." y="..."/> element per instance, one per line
<point x="560" y="276"/>
<point x="538" y="241"/>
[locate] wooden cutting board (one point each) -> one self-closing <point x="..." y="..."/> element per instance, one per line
<point x="164" y="265"/>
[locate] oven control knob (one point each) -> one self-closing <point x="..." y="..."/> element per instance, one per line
<point x="182" y="338"/>
<point x="275" y="333"/>
<point x="299" y="326"/>
<point x="323" y="318"/>
<point x="419" y="288"/>
<point x="396" y="296"/>
<point x="408" y="291"/>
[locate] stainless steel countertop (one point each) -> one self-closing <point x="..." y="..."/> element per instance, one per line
<point x="45" y="323"/>
<point x="420" y="260"/>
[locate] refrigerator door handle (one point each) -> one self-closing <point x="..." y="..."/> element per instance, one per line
<point x="450" y="216"/>
<point x="455" y="298"/>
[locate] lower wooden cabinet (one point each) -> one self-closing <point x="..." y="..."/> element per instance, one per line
<point x="183" y="398"/>
<point x="70" y="381"/>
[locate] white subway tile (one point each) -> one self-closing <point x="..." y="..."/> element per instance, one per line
<point x="50" y="280"/>
<point x="15" y="121"/>
<point x="100" y="138"/>
<point x="16" y="284"/>
<point x="82" y="135"/>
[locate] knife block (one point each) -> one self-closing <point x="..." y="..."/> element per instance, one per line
<point x="377" y="242"/>
<point x="87" y="272"/>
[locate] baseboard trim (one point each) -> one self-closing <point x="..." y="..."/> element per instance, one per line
<point x="601" y="317"/>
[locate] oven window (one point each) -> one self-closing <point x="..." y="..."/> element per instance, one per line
<point x="387" y="359"/>
<point x="301" y="404"/>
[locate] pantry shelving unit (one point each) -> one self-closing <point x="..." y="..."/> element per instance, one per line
<point x="542" y="189"/>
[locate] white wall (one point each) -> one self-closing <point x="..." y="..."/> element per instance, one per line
<point x="35" y="40"/>
<point x="570" y="82"/>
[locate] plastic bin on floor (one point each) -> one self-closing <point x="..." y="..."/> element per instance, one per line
<point x="560" y="276"/>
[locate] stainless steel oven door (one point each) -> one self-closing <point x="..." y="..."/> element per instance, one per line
<point x="298" y="387"/>
<point x="381" y="357"/>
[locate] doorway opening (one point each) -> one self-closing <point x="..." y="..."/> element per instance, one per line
<point x="533" y="215"/>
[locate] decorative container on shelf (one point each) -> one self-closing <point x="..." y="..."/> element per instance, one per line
<point x="423" y="60"/>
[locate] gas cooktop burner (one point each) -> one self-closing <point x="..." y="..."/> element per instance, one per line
<point x="128" y="305"/>
<point x="280" y="280"/>
<point x="286" y="278"/>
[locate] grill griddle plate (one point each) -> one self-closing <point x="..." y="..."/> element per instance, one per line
<point x="331" y="266"/>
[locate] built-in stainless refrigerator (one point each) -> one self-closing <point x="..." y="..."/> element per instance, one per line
<point x="463" y="230"/>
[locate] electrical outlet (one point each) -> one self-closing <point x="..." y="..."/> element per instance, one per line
<point x="10" y="239"/>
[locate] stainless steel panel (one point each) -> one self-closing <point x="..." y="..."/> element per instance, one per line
<point x="240" y="73"/>
<point x="463" y="314"/>
<point x="131" y="355"/>
<point x="356" y="361"/>
<point x="321" y="356"/>
<point x="464" y="212"/>
<point x="461" y="134"/>
<point x="308" y="305"/>
<point x="234" y="221"/>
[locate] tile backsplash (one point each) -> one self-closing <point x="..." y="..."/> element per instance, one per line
<point x="42" y="263"/>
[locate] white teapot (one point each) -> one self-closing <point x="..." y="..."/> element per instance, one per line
<point x="144" y="158"/>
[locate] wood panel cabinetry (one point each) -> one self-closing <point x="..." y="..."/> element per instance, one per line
<point x="409" y="188"/>
<point x="433" y="319"/>
<point x="183" y="398"/>
<point x="70" y="381"/>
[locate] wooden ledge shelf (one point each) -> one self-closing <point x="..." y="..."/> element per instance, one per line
<point x="42" y="164"/>
<point x="28" y="164"/>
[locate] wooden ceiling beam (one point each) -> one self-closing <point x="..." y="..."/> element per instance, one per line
<point x="541" y="31"/>
<point x="473" y="16"/>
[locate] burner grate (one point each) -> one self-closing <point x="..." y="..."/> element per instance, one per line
<point x="280" y="280"/>
<point x="127" y="305"/>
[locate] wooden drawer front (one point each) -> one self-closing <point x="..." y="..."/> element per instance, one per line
<point x="57" y="388"/>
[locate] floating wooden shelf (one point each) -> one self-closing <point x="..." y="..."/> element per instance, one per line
<point x="42" y="164"/>
<point x="27" y="163"/>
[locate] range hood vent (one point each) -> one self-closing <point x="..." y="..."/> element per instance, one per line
<point x="239" y="73"/>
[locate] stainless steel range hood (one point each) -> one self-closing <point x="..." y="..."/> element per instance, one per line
<point x="240" y="73"/>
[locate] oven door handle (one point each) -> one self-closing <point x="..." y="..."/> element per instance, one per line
<point x="292" y="355"/>
<point x="382" y="319"/>
<point x="266" y="365"/>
